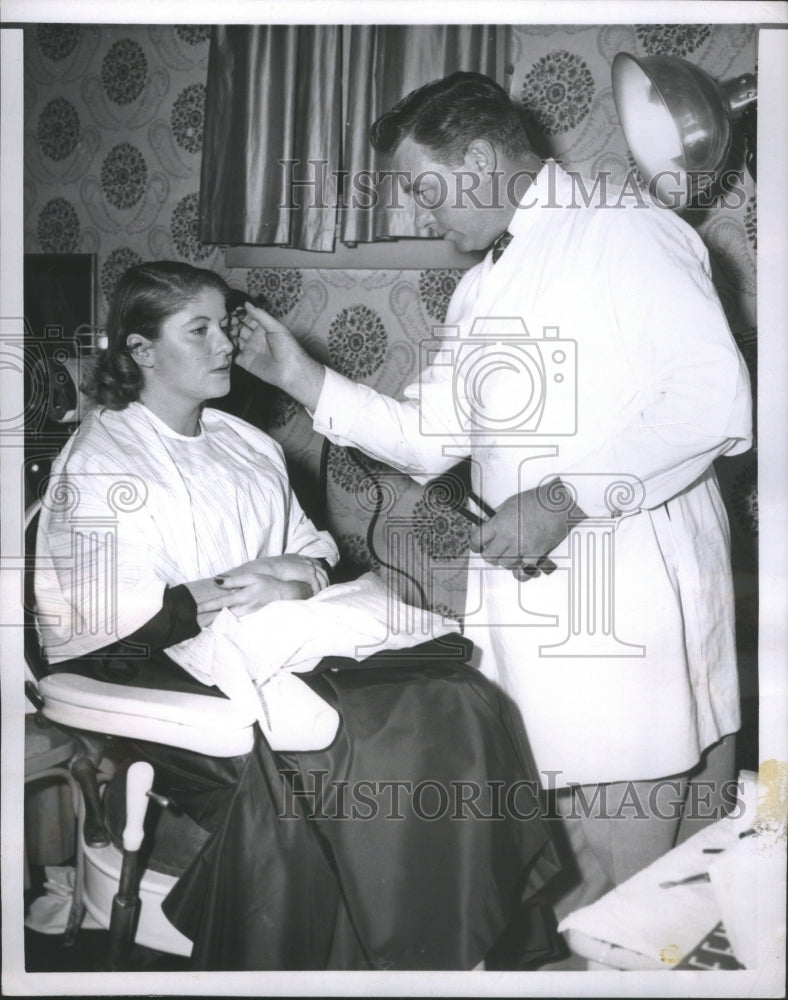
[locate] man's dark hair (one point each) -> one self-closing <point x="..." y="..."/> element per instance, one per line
<point x="447" y="115"/>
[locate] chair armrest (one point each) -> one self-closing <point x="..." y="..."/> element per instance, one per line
<point x="202" y="723"/>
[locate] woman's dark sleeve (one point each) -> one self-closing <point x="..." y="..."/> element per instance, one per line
<point x="176" y="621"/>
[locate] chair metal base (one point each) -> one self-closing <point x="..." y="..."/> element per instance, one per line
<point x="100" y="876"/>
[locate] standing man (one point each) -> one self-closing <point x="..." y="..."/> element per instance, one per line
<point x="589" y="372"/>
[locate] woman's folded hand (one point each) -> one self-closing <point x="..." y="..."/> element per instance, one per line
<point x="290" y="568"/>
<point x="244" y="591"/>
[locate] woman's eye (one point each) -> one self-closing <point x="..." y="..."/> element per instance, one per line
<point x="200" y="330"/>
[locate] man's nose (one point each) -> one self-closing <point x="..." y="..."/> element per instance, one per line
<point x="424" y="217"/>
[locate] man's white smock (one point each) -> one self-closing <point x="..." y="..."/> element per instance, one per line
<point x="651" y="389"/>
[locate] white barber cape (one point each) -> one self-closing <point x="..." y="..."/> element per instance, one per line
<point x="133" y="506"/>
<point x="627" y="384"/>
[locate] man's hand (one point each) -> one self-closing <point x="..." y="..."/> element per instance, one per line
<point x="269" y="350"/>
<point x="246" y="591"/>
<point x="288" y="568"/>
<point x="523" y="531"/>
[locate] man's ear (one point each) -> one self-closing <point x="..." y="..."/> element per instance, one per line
<point x="481" y="156"/>
<point x="141" y="349"/>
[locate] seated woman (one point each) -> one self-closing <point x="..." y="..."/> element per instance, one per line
<point x="409" y="842"/>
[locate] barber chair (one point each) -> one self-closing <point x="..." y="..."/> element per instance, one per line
<point x="92" y="711"/>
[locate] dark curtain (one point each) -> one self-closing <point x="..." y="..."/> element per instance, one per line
<point x="270" y="118"/>
<point x="383" y="65"/>
<point x="280" y="126"/>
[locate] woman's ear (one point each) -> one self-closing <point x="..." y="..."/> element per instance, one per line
<point x="141" y="349"/>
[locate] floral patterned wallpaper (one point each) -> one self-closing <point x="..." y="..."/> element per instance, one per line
<point x="113" y="136"/>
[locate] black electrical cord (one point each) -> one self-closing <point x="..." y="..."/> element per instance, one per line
<point x="379" y="495"/>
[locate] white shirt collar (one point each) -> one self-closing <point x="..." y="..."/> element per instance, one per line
<point x="163" y="428"/>
<point x="551" y="188"/>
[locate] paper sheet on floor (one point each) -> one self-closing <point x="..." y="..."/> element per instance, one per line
<point x="48" y="913"/>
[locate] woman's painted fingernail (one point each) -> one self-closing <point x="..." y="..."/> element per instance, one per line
<point x="219" y="580"/>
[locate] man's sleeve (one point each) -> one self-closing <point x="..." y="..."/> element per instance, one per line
<point x="411" y="435"/>
<point x="693" y="401"/>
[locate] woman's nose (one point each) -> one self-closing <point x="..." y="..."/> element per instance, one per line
<point x="222" y="344"/>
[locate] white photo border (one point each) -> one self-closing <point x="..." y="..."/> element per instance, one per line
<point x="772" y="307"/>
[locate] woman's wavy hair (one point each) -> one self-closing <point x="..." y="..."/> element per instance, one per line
<point x="446" y="115"/>
<point x="145" y="297"/>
